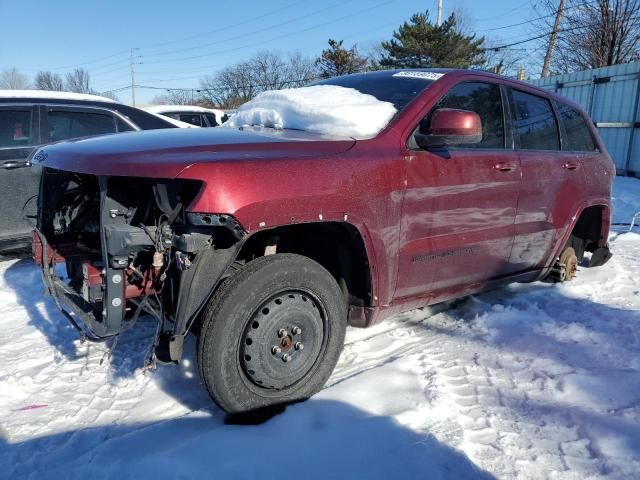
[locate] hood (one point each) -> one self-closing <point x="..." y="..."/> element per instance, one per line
<point x="165" y="153"/>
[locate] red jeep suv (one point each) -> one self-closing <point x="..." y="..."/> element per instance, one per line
<point x="270" y="241"/>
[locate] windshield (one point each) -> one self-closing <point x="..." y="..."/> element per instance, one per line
<point x="358" y="106"/>
<point x="397" y="87"/>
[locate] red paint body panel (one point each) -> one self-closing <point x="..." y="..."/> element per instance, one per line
<point x="434" y="226"/>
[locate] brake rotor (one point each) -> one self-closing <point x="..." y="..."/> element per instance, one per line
<point x="569" y="259"/>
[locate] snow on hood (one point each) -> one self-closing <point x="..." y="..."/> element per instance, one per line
<point x="324" y="109"/>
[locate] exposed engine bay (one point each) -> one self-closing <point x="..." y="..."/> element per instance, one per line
<point x="130" y="246"/>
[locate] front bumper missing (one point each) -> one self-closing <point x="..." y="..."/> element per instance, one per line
<point x="73" y="306"/>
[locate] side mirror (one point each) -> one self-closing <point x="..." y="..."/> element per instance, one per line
<point x="449" y="126"/>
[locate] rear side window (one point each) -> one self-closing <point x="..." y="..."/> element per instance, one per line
<point x="213" y="121"/>
<point x="123" y="126"/>
<point x="15" y="128"/>
<point x="192" y="118"/>
<point x="535" y="124"/>
<point x="64" y="124"/>
<point x="578" y="135"/>
<point x="485" y="100"/>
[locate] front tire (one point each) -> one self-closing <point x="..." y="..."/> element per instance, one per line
<point x="272" y="334"/>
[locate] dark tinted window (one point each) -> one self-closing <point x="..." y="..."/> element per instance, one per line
<point x="123" y="126"/>
<point x="64" y="124"/>
<point x="213" y="122"/>
<point x="534" y="123"/>
<point x="578" y="136"/>
<point x="144" y="120"/>
<point x="483" y="99"/>
<point x="192" y="118"/>
<point x="398" y="88"/>
<point x="15" y="128"/>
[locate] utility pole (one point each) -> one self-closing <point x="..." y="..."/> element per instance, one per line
<point x="553" y="39"/>
<point x="133" y="79"/>
<point x="521" y="74"/>
<point x="439" y="20"/>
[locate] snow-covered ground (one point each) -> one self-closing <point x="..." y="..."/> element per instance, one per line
<point x="530" y="381"/>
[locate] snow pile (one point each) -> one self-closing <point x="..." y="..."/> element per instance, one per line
<point x="326" y="109"/>
<point x="626" y="199"/>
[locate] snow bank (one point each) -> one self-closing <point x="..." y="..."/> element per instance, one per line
<point x="325" y="109"/>
<point x="626" y="198"/>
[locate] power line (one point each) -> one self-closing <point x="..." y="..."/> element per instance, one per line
<point x="501" y="15"/>
<point x="203" y="70"/>
<point x="228" y="27"/>
<point x="275" y="38"/>
<point x="230" y="39"/>
<point x="565" y="9"/>
<point x="537" y="37"/>
<point x="222" y="89"/>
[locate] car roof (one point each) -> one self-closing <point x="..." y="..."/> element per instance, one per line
<point x="512" y="82"/>
<point x="437" y="73"/>
<point x="51" y="95"/>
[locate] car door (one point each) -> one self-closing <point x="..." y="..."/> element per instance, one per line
<point x="19" y="136"/>
<point x="548" y="185"/>
<point x="460" y="202"/>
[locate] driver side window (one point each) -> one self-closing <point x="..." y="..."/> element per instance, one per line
<point x="483" y="99"/>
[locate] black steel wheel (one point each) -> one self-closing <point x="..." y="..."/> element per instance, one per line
<point x="283" y="339"/>
<point x="271" y="334"/>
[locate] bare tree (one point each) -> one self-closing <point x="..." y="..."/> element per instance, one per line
<point x="503" y="61"/>
<point x="301" y="70"/>
<point x="12" y="79"/>
<point x="230" y="87"/>
<point x="236" y="84"/>
<point x="110" y="95"/>
<point x="78" y="81"/>
<point x="592" y="34"/>
<point x="269" y="71"/>
<point x="48" y="81"/>
<point x="175" y="97"/>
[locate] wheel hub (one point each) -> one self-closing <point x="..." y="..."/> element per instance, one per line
<point x="286" y="343"/>
<point x="282" y="340"/>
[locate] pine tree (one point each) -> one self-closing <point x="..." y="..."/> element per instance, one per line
<point x="337" y="60"/>
<point x="419" y="43"/>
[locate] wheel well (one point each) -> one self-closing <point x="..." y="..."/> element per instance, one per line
<point x="587" y="234"/>
<point x="336" y="246"/>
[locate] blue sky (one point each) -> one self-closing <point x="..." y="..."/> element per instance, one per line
<point x="179" y="42"/>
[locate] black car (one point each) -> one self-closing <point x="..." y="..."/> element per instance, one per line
<point x="31" y="118"/>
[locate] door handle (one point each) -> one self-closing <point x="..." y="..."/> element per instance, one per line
<point x="570" y="165"/>
<point x="12" y="164"/>
<point x="504" y="167"/>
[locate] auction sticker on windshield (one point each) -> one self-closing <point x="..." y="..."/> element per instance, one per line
<point x="423" y="75"/>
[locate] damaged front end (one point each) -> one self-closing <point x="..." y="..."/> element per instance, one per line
<point x="130" y="246"/>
